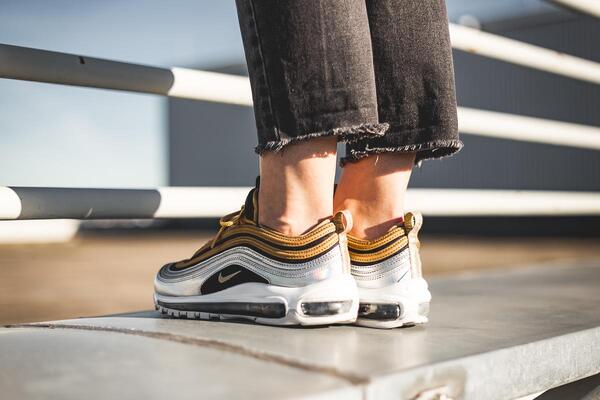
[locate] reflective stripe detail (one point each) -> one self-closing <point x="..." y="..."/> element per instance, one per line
<point x="383" y="273"/>
<point x="188" y="282"/>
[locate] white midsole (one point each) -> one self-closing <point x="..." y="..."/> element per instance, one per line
<point x="338" y="288"/>
<point x="409" y="294"/>
<point x="415" y="289"/>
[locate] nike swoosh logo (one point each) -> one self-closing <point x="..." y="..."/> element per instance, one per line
<point x="223" y="279"/>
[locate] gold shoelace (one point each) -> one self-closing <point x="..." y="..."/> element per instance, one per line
<point x="225" y="222"/>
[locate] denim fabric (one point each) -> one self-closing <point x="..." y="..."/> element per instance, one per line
<point x="377" y="74"/>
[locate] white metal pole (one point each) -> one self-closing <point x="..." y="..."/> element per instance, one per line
<point x="516" y="52"/>
<point x="69" y="69"/>
<point x="591" y="7"/>
<point x="211" y="202"/>
<point x="210" y="86"/>
<point x="10" y="204"/>
<point x="476" y="202"/>
<point x="517" y="127"/>
<point x="38" y="65"/>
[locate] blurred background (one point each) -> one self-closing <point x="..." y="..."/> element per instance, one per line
<point x="53" y="135"/>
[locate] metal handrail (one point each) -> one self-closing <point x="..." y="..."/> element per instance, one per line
<point x="36" y="65"/>
<point x="589" y="7"/>
<point x="210" y="202"/>
<point x="524" y="54"/>
<point x="78" y="203"/>
<point x="45" y="66"/>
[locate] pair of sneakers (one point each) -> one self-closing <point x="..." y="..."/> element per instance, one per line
<point x="322" y="277"/>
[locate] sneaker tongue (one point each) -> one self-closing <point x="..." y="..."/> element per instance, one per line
<point x="251" y="204"/>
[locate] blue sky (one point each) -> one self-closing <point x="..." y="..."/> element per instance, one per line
<point x="53" y="135"/>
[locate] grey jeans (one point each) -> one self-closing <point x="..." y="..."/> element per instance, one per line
<point x="377" y="74"/>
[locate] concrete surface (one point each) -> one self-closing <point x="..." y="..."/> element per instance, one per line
<point x="497" y="335"/>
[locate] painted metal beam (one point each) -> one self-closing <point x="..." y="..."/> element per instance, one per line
<point x="210" y="202"/>
<point x="590" y="7"/>
<point x="520" y="53"/>
<point x="70" y="69"/>
<point x="45" y="66"/>
<point x="528" y="129"/>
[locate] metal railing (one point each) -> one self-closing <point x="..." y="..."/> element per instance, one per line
<point x="206" y="202"/>
<point x="525" y="54"/>
<point x="70" y="69"/>
<point x="590" y="7"/>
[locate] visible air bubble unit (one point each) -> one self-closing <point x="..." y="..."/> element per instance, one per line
<point x="265" y="310"/>
<point x="380" y="312"/>
<point x="326" y="308"/>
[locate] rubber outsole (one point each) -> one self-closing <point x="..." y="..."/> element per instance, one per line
<point x="290" y="318"/>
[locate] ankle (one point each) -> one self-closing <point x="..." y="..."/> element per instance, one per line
<point x="293" y="209"/>
<point x="372" y="230"/>
<point x="371" y="220"/>
<point x="373" y="190"/>
<point x="289" y="226"/>
<point x="293" y="212"/>
<point x="296" y="186"/>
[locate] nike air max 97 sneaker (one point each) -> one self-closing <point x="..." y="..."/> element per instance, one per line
<point x="253" y="272"/>
<point x="387" y="270"/>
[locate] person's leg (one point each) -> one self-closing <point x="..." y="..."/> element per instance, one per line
<point x="283" y="257"/>
<point x="415" y="94"/>
<point x="311" y="71"/>
<point x="373" y="190"/>
<point x="296" y="186"/>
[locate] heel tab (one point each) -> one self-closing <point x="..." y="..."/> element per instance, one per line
<point x="413" y="221"/>
<point x="343" y="225"/>
<point x="342" y="221"/>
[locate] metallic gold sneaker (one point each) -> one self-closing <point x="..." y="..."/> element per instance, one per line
<point x="252" y="272"/>
<point x="387" y="270"/>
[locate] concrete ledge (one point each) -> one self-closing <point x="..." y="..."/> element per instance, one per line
<point x="492" y="336"/>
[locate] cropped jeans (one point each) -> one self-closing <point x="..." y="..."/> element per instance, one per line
<point x="377" y="74"/>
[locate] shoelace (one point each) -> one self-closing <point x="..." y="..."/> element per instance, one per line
<point x="225" y="222"/>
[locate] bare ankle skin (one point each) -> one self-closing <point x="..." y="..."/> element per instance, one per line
<point x="296" y="186"/>
<point x="373" y="190"/>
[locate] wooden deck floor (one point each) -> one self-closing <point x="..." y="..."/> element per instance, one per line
<point x="106" y="274"/>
